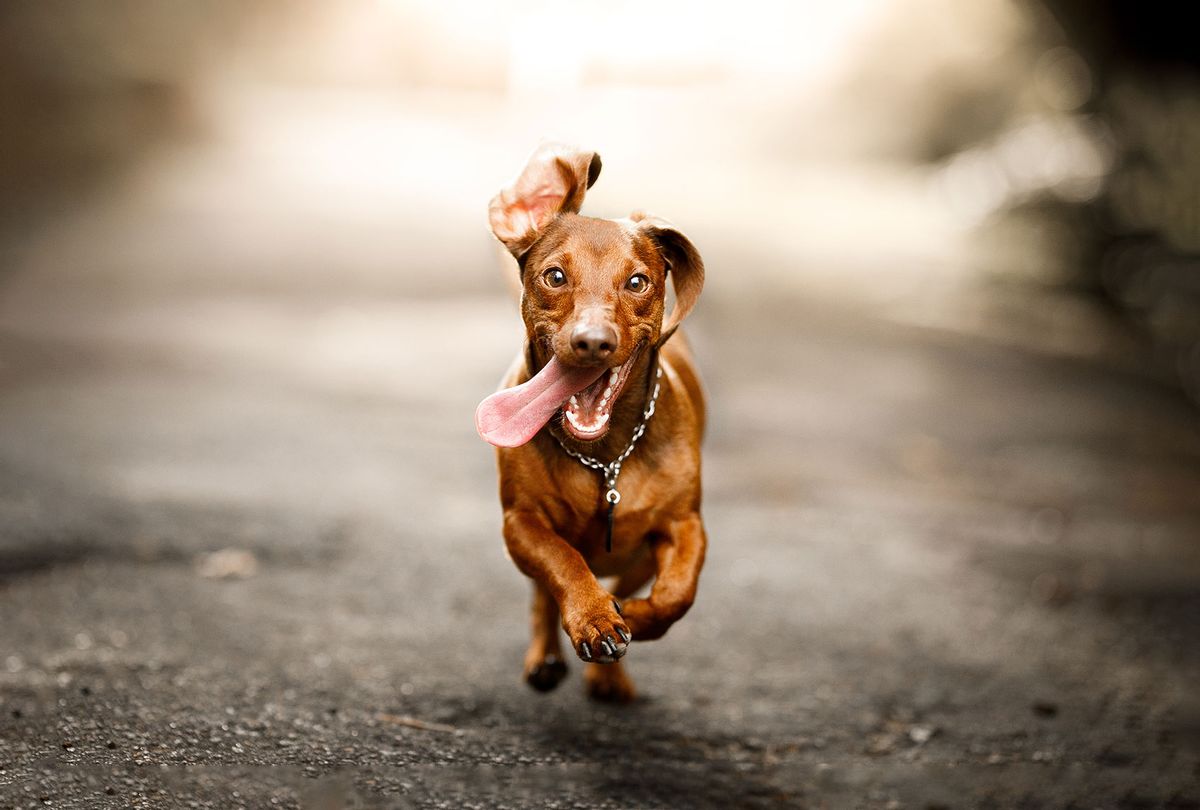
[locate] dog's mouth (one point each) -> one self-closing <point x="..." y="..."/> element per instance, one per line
<point x="586" y="414"/>
<point x="584" y="396"/>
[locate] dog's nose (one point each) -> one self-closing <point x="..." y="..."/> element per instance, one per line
<point x="593" y="341"/>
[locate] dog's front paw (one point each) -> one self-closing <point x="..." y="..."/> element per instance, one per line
<point x="598" y="633"/>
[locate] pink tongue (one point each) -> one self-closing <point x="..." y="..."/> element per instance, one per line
<point x="512" y="417"/>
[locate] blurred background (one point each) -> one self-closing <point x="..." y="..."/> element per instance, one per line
<point x="249" y="542"/>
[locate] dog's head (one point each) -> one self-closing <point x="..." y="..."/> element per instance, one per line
<point x="594" y="290"/>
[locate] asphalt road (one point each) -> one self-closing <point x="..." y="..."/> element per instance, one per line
<point x="250" y="557"/>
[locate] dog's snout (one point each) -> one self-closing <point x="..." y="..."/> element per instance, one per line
<point x="593" y="341"/>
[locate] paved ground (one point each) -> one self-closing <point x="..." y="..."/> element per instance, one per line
<point x="950" y="567"/>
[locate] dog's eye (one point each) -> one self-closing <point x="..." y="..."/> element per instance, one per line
<point x="637" y="283"/>
<point x="554" y="277"/>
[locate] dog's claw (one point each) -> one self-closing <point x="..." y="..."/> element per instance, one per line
<point x="624" y="634"/>
<point x="585" y="651"/>
<point x="617" y="607"/>
<point x="607" y="647"/>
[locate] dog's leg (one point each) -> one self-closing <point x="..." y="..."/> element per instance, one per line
<point x="544" y="667"/>
<point x="611" y="682"/>
<point x="589" y="613"/>
<point x="679" y="555"/>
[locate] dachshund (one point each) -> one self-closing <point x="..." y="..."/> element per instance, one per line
<point x="598" y="422"/>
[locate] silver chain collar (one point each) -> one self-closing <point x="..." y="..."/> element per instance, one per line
<point x="613" y="469"/>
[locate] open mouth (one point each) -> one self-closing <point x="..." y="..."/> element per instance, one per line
<point x="586" y="414"/>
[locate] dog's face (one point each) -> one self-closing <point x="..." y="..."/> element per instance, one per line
<point x="594" y="290"/>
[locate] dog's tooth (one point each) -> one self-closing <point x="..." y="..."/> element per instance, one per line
<point x="574" y="401"/>
<point x="608" y="392"/>
<point x="613" y="375"/>
<point x="581" y="422"/>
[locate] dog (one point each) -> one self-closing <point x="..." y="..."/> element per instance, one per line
<point x="598" y="422"/>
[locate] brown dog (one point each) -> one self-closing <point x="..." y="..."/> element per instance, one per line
<point x="597" y="382"/>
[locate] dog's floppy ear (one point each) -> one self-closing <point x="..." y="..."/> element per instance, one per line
<point x="684" y="265"/>
<point x="554" y="181"/>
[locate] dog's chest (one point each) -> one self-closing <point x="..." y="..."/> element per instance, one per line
<point x="648" y="502"/>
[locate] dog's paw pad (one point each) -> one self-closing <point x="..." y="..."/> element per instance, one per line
<point x="546" y="674"/>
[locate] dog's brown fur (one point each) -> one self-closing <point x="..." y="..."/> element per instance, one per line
<point x="554" y="513"/>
